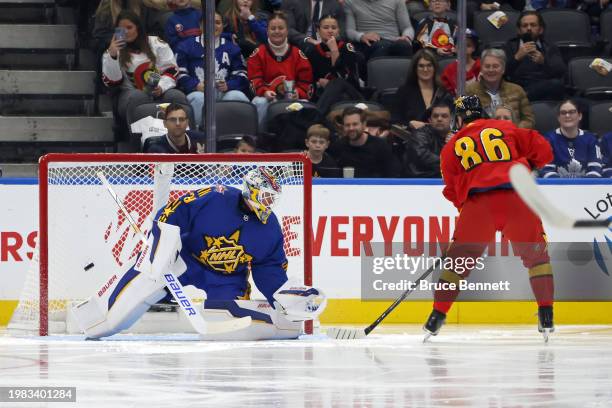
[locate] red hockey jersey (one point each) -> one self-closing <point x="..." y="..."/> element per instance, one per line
<point x="479" y="157"/>
<point x="267" y="71"/>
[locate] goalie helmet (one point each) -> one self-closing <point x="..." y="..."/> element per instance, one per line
<point x="261" y="192"/>
<point x="469" y="108"/>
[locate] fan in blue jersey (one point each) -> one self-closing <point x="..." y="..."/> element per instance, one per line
<point x="184" y="23"/>
<point x="214" y="239"/>
<point x="606" y="153"/>
<point x="231" y="82"/>
<point x="576" y="151"/>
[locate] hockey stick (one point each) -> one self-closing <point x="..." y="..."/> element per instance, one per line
<point x="531" y="194"/>
<point x="175" y="287"/>
<point x="341" y="333"/>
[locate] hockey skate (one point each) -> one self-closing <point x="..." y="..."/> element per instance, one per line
<point x="545" y="321"/>
<point x="433" y="324"/>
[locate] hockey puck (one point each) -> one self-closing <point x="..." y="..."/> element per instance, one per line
<point x="88" y="266"/>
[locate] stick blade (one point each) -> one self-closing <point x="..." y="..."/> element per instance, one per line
<point x="530" y="193"/>
<point x="226" y="326"/>
<point x="341" y="333"/>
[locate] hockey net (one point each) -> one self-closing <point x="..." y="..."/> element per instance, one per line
<point x="83" y="236"/>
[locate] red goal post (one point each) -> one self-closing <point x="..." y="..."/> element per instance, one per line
<point x="82" y="234"/>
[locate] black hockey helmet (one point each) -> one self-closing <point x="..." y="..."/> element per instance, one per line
<point x="469" y="108"/>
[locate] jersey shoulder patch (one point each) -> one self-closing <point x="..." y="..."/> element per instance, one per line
<point x="301" y="54"/>
<point x="255" y="51"/>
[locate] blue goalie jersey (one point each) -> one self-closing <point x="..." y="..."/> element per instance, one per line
<point x="223" y="243"/>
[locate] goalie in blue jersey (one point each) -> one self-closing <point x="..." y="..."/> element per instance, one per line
<point x="214" y="239"/>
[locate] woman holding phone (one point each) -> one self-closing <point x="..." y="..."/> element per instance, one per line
<point x="142" y="67"/>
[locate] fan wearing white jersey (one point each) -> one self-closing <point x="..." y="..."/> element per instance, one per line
<point x="214" y="239"/>
<point x="142" y="67"/>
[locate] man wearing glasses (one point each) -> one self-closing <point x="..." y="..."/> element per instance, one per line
<point x="178" y="139"/>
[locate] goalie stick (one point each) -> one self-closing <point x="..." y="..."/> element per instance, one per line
<point x="345" y="334"/>
<point x="531" y="194"/>
<point x="175" y="287"/>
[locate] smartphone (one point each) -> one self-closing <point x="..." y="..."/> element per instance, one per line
<point x="120" y="33"/>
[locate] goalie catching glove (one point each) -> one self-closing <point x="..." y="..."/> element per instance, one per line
<point x="298" y="302"/>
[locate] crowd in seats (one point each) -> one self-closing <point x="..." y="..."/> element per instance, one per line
<point x="326" y="54"/>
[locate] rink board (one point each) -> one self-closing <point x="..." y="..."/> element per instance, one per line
<point x="344" y="212"/>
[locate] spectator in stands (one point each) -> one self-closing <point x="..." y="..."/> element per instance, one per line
<point x="370" y="156"/>
<point x="594" y="8"/>
<point x="231" y="82"/>
<point x="503" y="112"/>
<point x="379" y="27"/>
<point x="379" y="125"/>
<point x="421" y="90"/>
<point x="335" y="66"/>
<point x="533" y="63"/>
<point x="422" y="158"/>
<point x="606" y="153"/>
<point x="247" y="25"/>
<point x="436" y="31"/>
<point x="575" y="150"/>
<point x="150" y="13"/>
<point x="142" y="67"/>
<point x="246" y="145"/>
<point x="317" y="142"/>
<point x="472" y="64"/>
<point x="303" y="17"/>
<point x="263" y="8"/>
<point x="493" y="90"/>
<point x="184" y="23"/>
<point x="178" y="139"/>
<point x="276" y="66"/>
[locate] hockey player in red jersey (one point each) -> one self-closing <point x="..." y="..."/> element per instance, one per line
<point x="475" y="164"/>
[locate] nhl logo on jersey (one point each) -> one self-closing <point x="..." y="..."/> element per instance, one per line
<point x="223" y="254"/>
<point x="178" y="28"/>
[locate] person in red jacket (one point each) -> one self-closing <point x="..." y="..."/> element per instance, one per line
<point x="278" y="70"/>
<point x="475" y="164"/>
<point x="472" y="64"/>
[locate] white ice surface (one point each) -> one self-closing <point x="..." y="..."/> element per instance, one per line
<point x="465" y="366"/>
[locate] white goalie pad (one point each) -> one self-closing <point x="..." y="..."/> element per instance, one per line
<point x="101" y="316"/>
<point x="267" y="323"/>
<point x="299" y="302"/>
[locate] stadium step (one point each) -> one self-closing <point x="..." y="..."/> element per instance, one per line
<point x="18" y="170"/>
<point x="38" y="45"/>
<point x="27" y="11"/>
<point x="46" y="92"/>
<point x="54" y="129"/>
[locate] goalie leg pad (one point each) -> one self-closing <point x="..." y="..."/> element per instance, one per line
<point x="267" y="323"/>
<point x="121" y="302"/>
<point x="96" y="319"/>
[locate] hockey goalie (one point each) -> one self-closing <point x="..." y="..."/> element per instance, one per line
<point x="214" y="239"/>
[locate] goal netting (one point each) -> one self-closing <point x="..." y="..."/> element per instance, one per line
<point x="83" y="236"/>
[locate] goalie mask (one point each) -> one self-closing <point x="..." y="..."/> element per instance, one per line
<point x="260" y="191"/>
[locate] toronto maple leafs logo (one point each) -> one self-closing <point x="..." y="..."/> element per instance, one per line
<point x="223" y="254"/>
<point x="572" y="170"/>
